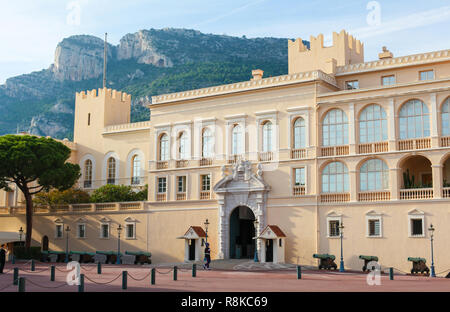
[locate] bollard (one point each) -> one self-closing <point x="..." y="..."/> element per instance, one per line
<point x="52" y="273"/>
<point x="33" y="266"/>
<point x="391" y="274"/>
<point x="194" y="270"/>
<point x="99" y="268"/>
<point x="21" y="284"/>
<point x="81" y="286"/>
<point x="16" y="276"/>
<point x="13" y="260"/>
<point x="299" y="272"/>
<point x="175" y="273"/>
<point x="153" y="276"/>
<point x="124" y="279"/>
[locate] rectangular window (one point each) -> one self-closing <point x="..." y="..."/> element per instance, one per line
<point x="181" y="184"/>
<point x="130" y="233"/>
<point x="426" y="75"/>
<point x="374" y="227"/>
<point x="104" y="230"/>
<point x="416" y="227"/>
<point x="333" y="226"/>
<point x="299" y="176"/>
<point x="280" y="242"/>
<point x="162" y="185"/>
<point x="59" y="231"/>
<point x="388" y="80"/>
<point x="81" y="231"/>
<point x="351" y="85"/>
<point x="206" y="182"/>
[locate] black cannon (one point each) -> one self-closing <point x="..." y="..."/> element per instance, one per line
<point x="367" y="259"/>
<point x="142" y="257"/>
<point x="111" y="256"/>
<point x="326" y="261"/>
<point x="419" y="266"/>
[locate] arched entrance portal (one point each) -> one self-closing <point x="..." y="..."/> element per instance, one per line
<point x="242" y="233"/>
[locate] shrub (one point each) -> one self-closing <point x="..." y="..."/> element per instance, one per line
<point x="23" y="253"/>
<point x="55" y="197"/>
<point x="117" y="193"/>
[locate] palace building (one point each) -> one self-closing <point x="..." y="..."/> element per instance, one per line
<point x="287" y="159"/>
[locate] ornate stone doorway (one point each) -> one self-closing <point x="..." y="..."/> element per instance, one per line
<point x="241" y="188"/>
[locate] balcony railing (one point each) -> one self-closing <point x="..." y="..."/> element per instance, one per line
<point x="205" y="195"/>
<point x="335" y="197"/>
<point x="206" y="162"/>
<point x="335" y="150"/>
<point x="182" y="163"/>
<point x="265" y="156"/>
<point x="181" y="196"/>
<point x="162" y="164"/>
<point x="368" y="148"/>
<point x="445" y="141"/>
<point x="446" y="192"/>
<point x="414" y="144"/>
<point x="161" y="197"/>
<point x="234" y="158"/>
<point x="374" y="196"/>
<point x="298" y="153"/>
<point x="419" y="193"/>
<point x="299" y="190"/>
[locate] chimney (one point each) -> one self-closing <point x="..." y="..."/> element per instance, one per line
<point x="386" y="54"/>
<point x="257" y="74"/>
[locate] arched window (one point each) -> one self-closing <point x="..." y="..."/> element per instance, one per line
<point x="372" y="124"/>
<point x="374" y="176"/>
<point x="299" y="133"/>
<point x="335" y="128"/>
<point x="414" y="120"/>
<point x="445" y="118"/>
<point x="88" y="173"/>
<point x="267" y="137"/>
<point x="335" y="178"/>
<point x="111" y="170"/>
<point x="164" y="147"/>
<point x="183" y="146"/>
<point x="207" y="143"/>
<point x="136" y="170"/>
<point x="236" y="143"/>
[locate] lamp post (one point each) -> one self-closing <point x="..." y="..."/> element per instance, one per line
<point x="341" y="234"/>
<point x="206" y="229"/>
<point x="119" y="230"/>
<point x="20" y="235"/>
<point x="255" y="258"/>
<point x="431" y="229"/>
<point x="67" y="244"/>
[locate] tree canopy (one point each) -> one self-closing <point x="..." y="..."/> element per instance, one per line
<point x="35" y="164"/>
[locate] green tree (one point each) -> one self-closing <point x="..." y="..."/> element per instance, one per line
<point x="57" y="197"/>
<point x="35" y="164"/>
<point x="116" y="193"/>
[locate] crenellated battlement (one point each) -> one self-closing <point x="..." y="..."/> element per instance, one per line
<point x="106" y="93"/>
<point x="345" y="50"/>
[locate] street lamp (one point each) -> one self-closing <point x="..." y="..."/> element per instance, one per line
<point x="341" y="234"/>
<point x="255" y="258"/>
<point x="20" y="235"/>
<point x="119" y="230"/>
<point x="431" y="229"/>
<point x="67" y="244"/>
<point x="206" y="228"/>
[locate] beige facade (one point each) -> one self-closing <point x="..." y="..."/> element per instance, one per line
<point x="337" y="140"/>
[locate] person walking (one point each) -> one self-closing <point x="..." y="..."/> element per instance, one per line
<point x="2" y="258"/>
<point x="207" y="257"/>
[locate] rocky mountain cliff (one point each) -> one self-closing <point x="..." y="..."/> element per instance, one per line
<point x="146" y="63"/>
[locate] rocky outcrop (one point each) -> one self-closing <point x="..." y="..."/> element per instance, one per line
<point x="80" y="57"/>
<point x="139" y="46"/>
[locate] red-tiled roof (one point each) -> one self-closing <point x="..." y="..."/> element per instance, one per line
<point x="278" y="232"/>
<point x="198" y="230"/>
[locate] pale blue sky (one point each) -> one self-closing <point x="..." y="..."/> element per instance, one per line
<point x="31" y="29"/>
